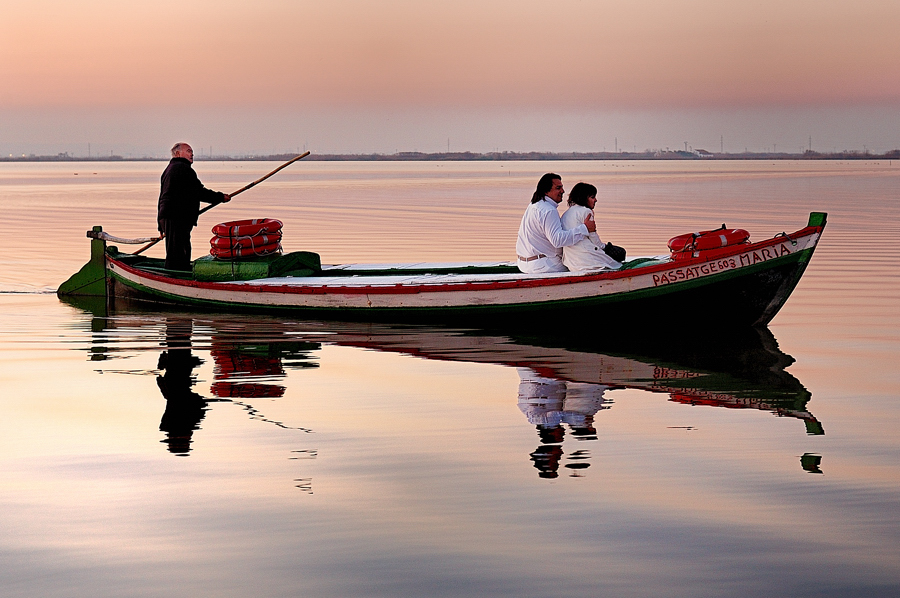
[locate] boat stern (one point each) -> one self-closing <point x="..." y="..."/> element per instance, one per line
<point x="90" y="281"/>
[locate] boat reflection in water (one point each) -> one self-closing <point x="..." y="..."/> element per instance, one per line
<point x="564" y="382"/>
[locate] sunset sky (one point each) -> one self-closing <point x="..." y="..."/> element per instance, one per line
<point x="400" y="75"/>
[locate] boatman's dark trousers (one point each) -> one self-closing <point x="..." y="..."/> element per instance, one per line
<point x="178" y="243"/>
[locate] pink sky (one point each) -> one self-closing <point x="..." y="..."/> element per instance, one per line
<point x="361" y="61"/>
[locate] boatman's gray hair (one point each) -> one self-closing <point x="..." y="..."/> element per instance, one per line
<point x="177" y="148"/>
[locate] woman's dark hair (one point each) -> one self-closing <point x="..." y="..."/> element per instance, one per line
<point x="579" y="194"/>
<point x="544" y="185"/>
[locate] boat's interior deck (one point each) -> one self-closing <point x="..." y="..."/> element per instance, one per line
<point x="305" y="268"/>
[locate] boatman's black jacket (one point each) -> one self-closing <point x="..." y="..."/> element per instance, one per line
<point x="181" y="193"/>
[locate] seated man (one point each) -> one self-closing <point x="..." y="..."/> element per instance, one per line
<point x="587" y="254"/>
<point x="541" y="235"/>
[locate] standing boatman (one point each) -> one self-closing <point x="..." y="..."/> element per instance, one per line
<point x="179" y="205"/>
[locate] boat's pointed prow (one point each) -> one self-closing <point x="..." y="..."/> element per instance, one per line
<point x="91" y="279"/>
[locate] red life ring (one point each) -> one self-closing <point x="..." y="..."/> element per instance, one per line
<point x="245" y="242"/>
<point x="245" y="251"/>
<point x="708" y="239"/>
<point x="247" y="228"/>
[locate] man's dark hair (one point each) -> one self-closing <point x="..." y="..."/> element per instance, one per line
<point x="544" y="185"/>
<point x="580" y="193"/>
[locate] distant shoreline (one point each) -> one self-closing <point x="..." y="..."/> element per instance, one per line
<point x="487" y="157"/>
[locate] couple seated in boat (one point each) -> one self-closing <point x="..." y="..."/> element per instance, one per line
<point x="548" y="243"/>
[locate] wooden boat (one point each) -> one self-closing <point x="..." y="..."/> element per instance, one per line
<point x="743" y="284"/>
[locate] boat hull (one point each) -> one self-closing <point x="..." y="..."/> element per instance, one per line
<point x="742" y="285"/>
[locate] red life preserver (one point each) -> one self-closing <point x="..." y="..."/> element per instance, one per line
<point x="246" y="238"/>
<point x="708" y="239"/>
<point x="247" y="228"/>
<point x="245" y="251"/>
<point x="245" y="242"/>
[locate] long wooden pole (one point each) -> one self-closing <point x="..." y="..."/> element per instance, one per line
<point x="258" y="181"/>
<point x="241" y="190"/>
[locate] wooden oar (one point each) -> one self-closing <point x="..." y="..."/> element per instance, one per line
<point x="241" y="190"/>
<point x="257" y="181"/>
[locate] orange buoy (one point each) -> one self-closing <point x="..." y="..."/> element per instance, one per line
<point x="247" y="228"/>
<point x="245" y="242"/>
<point x="708" y="239"/>
<point x="227" y="254"/>
<point x="246" y="238"/>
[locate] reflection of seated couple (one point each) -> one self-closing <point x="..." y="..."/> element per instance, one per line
<point x="548" y="243"/>
<point x="549" y="404"/>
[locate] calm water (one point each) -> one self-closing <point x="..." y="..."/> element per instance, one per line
<point x="185" y="454"/>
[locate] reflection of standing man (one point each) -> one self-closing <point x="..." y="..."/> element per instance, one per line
<point x="179" y="205"/>
<point x="184" y="408"/>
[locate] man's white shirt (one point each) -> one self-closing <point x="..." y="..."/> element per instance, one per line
<point x="541" y="234"/>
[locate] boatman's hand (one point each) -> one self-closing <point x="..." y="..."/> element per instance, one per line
<point x="227" y="198"/>
<point x="589" y="223"/>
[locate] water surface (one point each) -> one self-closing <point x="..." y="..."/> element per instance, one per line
<point x="183" y="453"/>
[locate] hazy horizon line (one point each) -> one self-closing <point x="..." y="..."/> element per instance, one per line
<point x="407" y="156"/>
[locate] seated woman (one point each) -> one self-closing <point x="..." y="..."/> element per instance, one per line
<point x="588" y="253"/>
